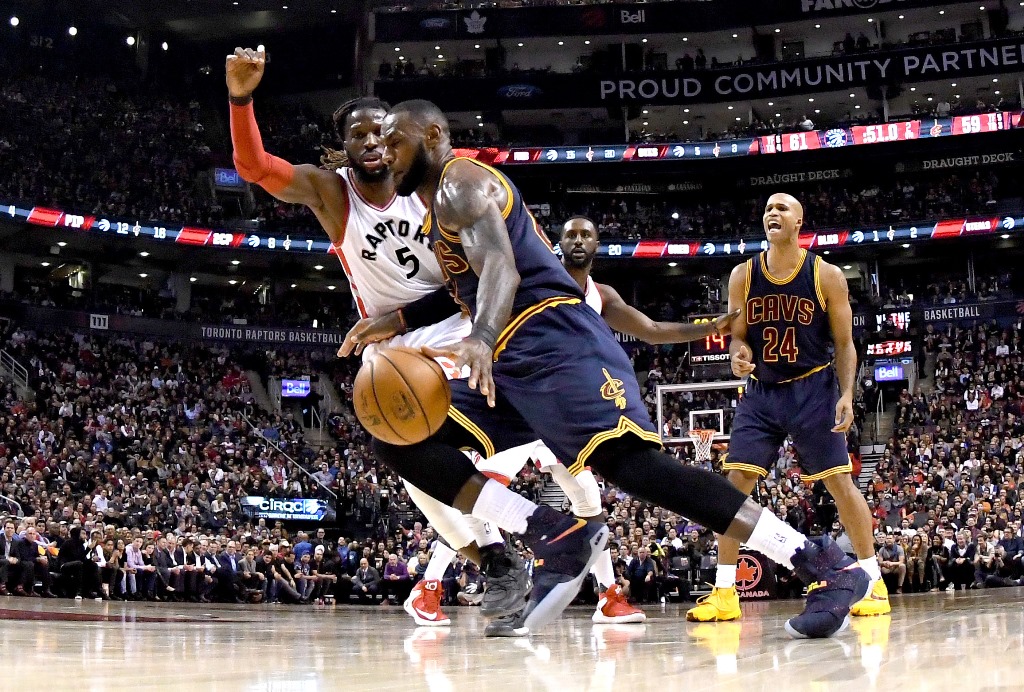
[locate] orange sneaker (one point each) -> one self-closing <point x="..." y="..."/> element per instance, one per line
<point x="612" y="609"/>
<point x="424" y="604"/>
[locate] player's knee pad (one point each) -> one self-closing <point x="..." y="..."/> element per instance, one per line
<point x="449" y="522"/>
<point x="506" y="465"/>
<point x="582" y="491"/>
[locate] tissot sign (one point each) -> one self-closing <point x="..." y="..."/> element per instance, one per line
<point x="591" y="20"/>
<point x="530" y="90"/>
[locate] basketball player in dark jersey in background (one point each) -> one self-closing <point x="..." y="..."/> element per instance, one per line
<point x="561" y="376"/>
<point x="795" y="316"/>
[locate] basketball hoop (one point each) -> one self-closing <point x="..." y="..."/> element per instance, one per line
<point x="702" y="440"/>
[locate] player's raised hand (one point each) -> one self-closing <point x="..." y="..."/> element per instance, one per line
<point x="723" y="323"/>
<point x="844" y="414"/>
<point x="477" y="355"/>
<point x="742" y="360"/>
<point x="244" y="70"/>
<point x="371" y="330"/>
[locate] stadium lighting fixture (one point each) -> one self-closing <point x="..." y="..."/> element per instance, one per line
<point x="816" y="110"/>
<point x="587" y="42"/>
<point x="164" y="45"/>
<point x="143" y="254"/>
<point x="334" y="11"/>
<point x="827" y="252"/>
<point x="15" y="21"/>
<point x="261" y="48"/>
<point x="686" y="110"/>
<point x="45" y="264"/>
<point x="995" y="79"/>
<point x="235" y="262"/>
<point x="232" y="282"/>
<point x="778" y="31"/>
<point x="847" y="266"/>
<point x="646" y="111"/>
<point x="1005" y="236"/>
<point x="810" y="100"/>
<point x="331" y="287"/>
<point x="561" y="43"/>
<point x="730" y="107"/>
<point x="319" y="267"/>
<point x="192" y="279"/>
<point x="852" y="95"/>
<point x="477" y="45"/>
<point x="675" y="216"/>
<point x="738" y="117"/>
<point x="942" y="11"/>
<point x="673" y="264"/>
<point x="130" y="40"/>
<point x="294" y="285"/>
<point x="480" y="117"/>
<point x="520" y="44"/>
<point x="779" y="115"/>
<point x="901" y="16"/>
<point x="870" y="20"/>
<point x="437" y="47"/>
<point x="398" y="49"/>
<point x="143" y="275"/>
<point x="817" y="26"/>
<point x="735" y="35"/>
<point x="72" y="31"/>
<point x="61" y="243"/>
<point x="857" y="107"/>
<point x="906" y="245"/>
<point x="643" y="41"/>
<point x="440" y="56"/>
<point x="686" y="122"/>
<point x="913" y="88"/>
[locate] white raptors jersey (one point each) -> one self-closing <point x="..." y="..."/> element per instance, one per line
<point x="593" y="297"/>
<point x="385" y="255"/>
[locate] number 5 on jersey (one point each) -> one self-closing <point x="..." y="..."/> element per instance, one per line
<point x="405" y="258"/>
<point x="773" y="347"/>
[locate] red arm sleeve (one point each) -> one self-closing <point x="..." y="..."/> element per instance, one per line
<point x="254" y="164"/>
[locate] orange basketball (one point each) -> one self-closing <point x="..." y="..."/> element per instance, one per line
<point x="401" y="396"/>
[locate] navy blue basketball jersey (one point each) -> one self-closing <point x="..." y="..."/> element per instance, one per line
<point x="787" y="327"/>
<point x="542" y="274"/>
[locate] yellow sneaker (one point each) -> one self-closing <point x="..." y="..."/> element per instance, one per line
<point x="720" y="604"/>
<point x="875" y="603"/>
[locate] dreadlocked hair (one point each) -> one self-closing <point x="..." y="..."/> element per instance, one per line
<point x="332" y="159"/>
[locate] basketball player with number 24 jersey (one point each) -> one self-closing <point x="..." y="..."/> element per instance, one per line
<point x="794" y="315"/>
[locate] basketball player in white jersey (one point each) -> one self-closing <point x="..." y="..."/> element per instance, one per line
<point x="394" y="276"/>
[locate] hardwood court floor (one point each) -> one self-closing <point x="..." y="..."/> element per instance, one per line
<point x="972" y="641"/>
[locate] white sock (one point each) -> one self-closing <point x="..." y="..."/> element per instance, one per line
<point x="504" y="508"/>
<point x="870" y="565"/>
<point x="484" y="532"/>
<point x="603" y="571"/>
<point x="725" y="576"/>
<point x="439" y="561"/>
<point x="776" y="539"/>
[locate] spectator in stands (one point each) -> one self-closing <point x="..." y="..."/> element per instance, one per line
<point x="961" y="563"/>
<point x="938" y="561"/>
<point x="643" y="577"/>
<point x="366" y="583"/>
<point x="893" y="562"/>
<point x="397" y="583"/>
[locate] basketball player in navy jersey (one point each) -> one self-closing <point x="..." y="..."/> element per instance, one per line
<point x="543" y="364"/>
<point x="794" y="339"/>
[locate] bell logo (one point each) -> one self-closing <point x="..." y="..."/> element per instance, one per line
<point x="748" y="573"/>
<point x="475" y="23"/>
<point x="627" y="17"/>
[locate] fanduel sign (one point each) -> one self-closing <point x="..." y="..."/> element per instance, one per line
<point x="851" y="5"/>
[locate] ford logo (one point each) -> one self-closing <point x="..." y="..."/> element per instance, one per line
<point x="436" y="23"/>
<point x="519" y="91"/>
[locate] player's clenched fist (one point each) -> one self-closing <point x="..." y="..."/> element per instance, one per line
<point x="244" y="70"/>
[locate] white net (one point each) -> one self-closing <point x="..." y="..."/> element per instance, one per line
<point x="702" y="441"/>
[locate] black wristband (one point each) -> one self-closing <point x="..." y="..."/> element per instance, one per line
<point x="485" y="334"/>
<point x="240" y="100"/>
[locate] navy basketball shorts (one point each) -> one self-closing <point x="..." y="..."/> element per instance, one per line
<point x="561" y="377"/>
<point x="804" y="409"/>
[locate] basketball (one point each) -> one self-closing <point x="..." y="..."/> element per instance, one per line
<point x="400" y="396"/>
